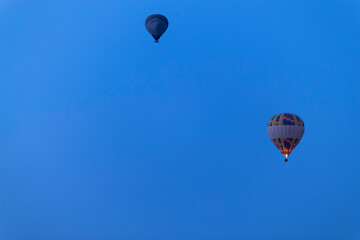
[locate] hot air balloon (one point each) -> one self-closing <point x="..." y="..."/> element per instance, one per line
<point x="156" y="25"/>
<point x="285" y="131"/>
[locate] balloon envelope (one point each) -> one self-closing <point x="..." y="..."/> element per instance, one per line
<point x="285" y="131"/>
<point x="156" y="25"/>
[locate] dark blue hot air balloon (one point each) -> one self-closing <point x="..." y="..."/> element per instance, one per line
<point x="156" y="25"/>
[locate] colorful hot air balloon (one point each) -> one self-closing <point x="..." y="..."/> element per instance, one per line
<point x="285" y="131"/>
<point x="156" y="25"/>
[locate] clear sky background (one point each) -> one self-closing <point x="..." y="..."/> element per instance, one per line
<point x="106" y="135"/>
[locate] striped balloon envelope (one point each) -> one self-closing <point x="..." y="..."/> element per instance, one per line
<point x="285" y="131"/>
<point x="156" y="25"/>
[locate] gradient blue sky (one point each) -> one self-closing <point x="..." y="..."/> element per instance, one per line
<point x="106" y="135"/>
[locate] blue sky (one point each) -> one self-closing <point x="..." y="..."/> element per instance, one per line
<point x="106" y="135"/>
